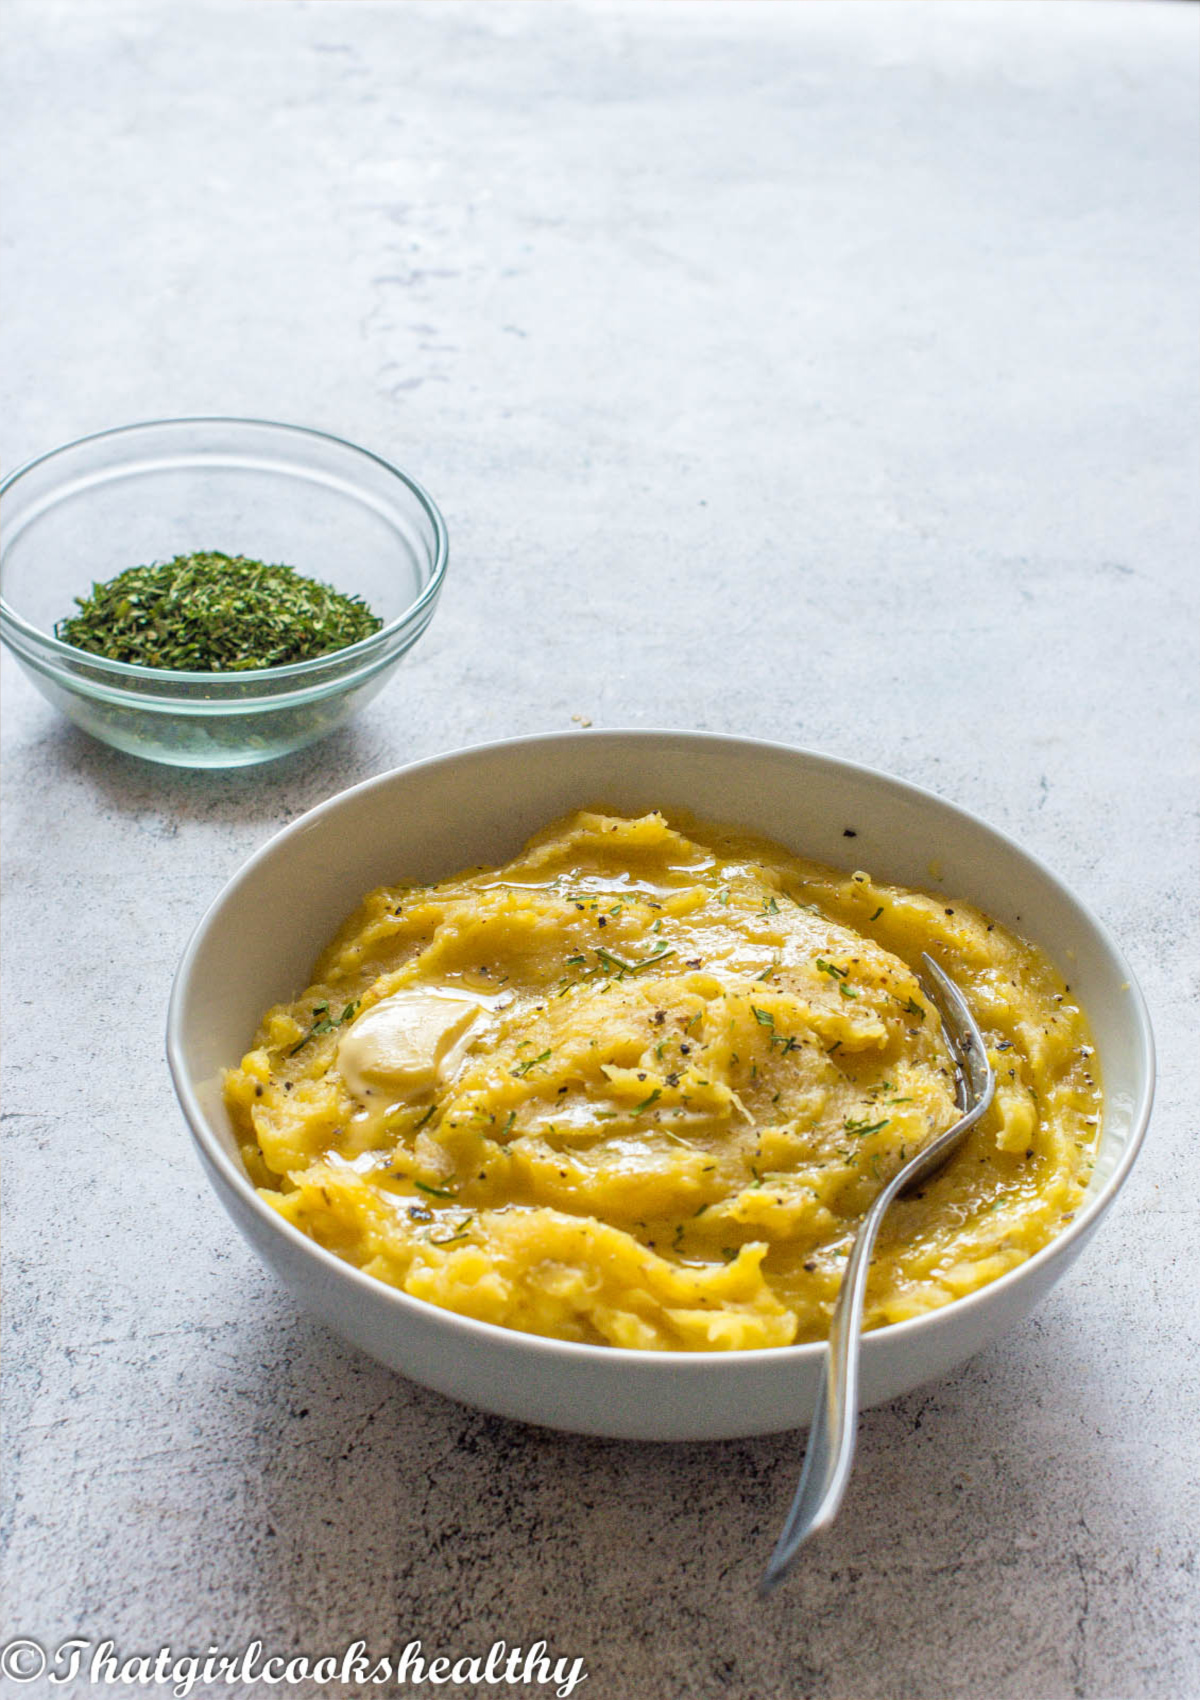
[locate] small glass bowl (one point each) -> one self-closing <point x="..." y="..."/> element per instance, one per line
<point x="145" y="493"/>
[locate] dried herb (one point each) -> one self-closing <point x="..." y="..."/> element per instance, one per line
<point x="530" y="1062"/>
<point x="861" y="1129"/>
<point x="325" y="1023"/>
<point x="620" y="969"/>
<point x="215" y="613"/>
<point x="460" y="1231"/>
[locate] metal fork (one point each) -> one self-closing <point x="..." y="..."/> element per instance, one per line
<point x="830" y="1453"/>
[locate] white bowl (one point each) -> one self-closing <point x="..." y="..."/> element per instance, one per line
<point x="256" y="945"/>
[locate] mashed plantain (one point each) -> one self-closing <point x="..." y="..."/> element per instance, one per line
<point x="639" y="1086"/>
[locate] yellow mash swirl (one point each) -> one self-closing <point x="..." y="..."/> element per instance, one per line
<point x="639" y="1086"/>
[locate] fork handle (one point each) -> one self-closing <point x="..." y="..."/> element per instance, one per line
<point x="829" y="1455"/>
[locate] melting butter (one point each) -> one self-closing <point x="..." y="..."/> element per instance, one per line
<point x="411" y="1041"/>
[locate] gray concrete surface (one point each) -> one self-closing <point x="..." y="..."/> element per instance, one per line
<point x="824" y="372"/>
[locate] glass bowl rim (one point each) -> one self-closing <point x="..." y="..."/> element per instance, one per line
<point x="69" y="657"/>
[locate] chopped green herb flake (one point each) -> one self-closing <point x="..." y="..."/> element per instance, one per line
<point x="620" y="969"/>
<point x="325" y="1025"/>
<point x="215" y="613"/>
<point x="861" y="1129"/>
<point x="531" y="1062"/>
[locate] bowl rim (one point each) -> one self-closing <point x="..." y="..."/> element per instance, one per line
<point x="126" y="673"/>
<point x="471" y="1329"/>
